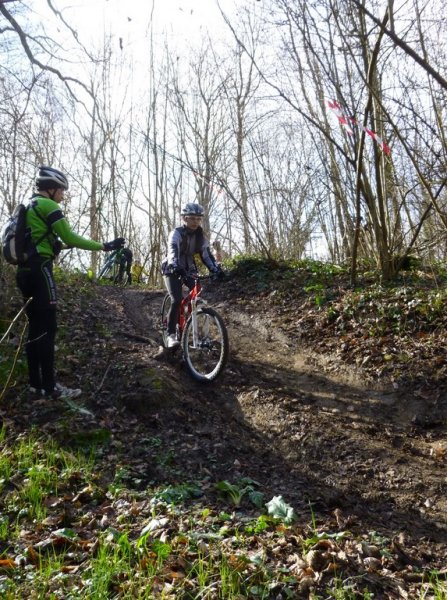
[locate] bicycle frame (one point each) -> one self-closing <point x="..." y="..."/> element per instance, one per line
<point x="110" y="260"/>
<point x="114" y="269"/>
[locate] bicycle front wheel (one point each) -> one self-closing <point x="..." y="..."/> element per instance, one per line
<point x="205" y="345"/>
<point x="120" y="278"/>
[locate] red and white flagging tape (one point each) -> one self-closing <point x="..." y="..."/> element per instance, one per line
<point x="347" y="121"/>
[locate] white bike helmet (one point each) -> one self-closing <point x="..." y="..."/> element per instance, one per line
<point x="49" y="178"/>
<point x="191" y="209"/>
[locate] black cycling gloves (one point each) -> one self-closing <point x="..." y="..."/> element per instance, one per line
<point x="218" y="274"/>
<point x="179" y="272"/>
<point x="114" y="244"/>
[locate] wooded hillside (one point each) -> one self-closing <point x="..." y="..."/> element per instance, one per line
<point x="312" y="129"/>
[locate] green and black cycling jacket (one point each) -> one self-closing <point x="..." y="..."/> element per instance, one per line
<point x="51" y="212"/>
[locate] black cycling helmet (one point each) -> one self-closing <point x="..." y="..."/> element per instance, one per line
<point x="191" y="209"/>
<point x="49" y="178"/>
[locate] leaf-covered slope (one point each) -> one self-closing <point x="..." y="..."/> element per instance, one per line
<point x="166" y="486"/>
<point x="394" y="332"/>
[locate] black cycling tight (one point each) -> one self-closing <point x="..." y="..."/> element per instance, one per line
<point x="174" y="287"/>
<point x="40" y="348"/>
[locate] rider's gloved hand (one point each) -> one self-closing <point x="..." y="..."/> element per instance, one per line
<point x="114" y="244"/>
<point x="218" y="274"/>
<point x="179" y="272"/>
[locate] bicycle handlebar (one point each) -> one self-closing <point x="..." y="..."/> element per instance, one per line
<point x="184" y="278"/>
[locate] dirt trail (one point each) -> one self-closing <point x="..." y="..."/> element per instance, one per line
<point x="291" y="421"/>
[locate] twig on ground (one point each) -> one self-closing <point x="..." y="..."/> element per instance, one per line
<point x="98" y="389"/>
<point x="15" y="319"/>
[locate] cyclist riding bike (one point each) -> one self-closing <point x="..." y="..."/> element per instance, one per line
<point x="179" y="266"/>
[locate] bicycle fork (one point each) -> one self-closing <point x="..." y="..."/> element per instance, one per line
<point x="195" y="326"/>
<point x="195" y="333"/>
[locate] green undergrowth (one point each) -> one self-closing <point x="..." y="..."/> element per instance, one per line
<point x="65" y="533"/>
<point x="393" y="330"/>
<point x="413" y="302"/>
<point x="315" y="276"/>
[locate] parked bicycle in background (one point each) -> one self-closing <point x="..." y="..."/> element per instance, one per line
<point x="118" y="267"/>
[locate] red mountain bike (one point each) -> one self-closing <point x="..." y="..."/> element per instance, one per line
<point x="201" y="332"/>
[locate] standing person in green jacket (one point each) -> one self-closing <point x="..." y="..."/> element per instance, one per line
<point x="47" y="227"/>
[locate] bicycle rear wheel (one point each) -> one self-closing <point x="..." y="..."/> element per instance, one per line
<point x="206" y="356"/>
<point x="164" y="318"/>
<point x="120" y="278"/>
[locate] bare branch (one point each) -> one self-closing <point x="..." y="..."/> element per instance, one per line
<point x="33" y="60"/>
<point x="405" y="47"/>
<point x="73" y="32"/>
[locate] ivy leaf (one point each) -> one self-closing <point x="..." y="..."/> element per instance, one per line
<point x="280" y="510"/>
<point x="66" y="533"/>
<point x="78" y="408"/>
